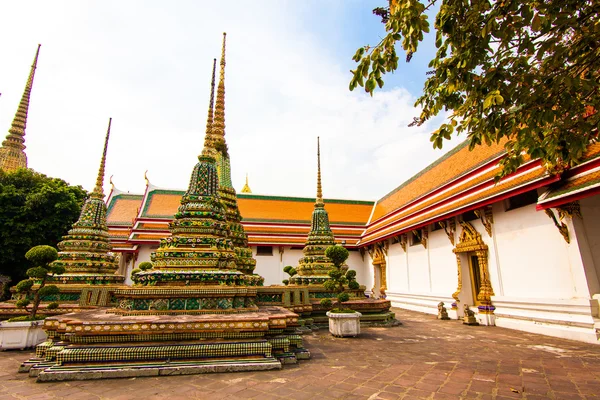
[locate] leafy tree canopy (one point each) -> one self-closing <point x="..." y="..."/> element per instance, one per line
<point x="34" y="210"/>
<point x="525" y="71"/>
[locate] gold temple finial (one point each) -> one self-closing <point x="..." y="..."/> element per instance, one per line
<point x="319" y="189"/>
<point x="218" y="126"/>
<point x="146" y="178"/>
<point x="98" y="190"/>
<point x="112" y="185"/>
<point x="246" y="188"/>
<point x="12" y="154"/>
<point x="208" y="139"/>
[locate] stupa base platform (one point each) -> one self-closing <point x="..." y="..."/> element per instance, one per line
<point x="59" y="373"/>
<point x="100" y="344"/>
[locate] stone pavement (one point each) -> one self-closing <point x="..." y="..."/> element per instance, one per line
<point x="422" y="359"/>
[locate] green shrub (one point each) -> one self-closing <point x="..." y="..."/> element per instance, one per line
<point x="22" y="303"/>
<point x="41" y="255"/>
<point x="285" y="282"/>
<point x="145" y="266"/>
<point x="52" y="306"/>
<point x="338" y="279"/>
<point x="42" y="258"/>
<point x="48" y="291"/>
<point x="342" y="297"/>
<point x="26" y="318"/>
<point x="326" y="303"/>
<point x="24" y="286"/>
<point x="337" y="254"/>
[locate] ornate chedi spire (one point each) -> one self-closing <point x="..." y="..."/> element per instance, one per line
<point x="244" y="259"/>
<point x="85" y="250"/>
<point x="200" y="250"/>
<point x="211" y="106"/>
<point x="12" y="154"/>
<point x="314" y="266"/>
<point x="246" y="188"/>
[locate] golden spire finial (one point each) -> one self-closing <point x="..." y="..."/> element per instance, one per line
<point x="12" y="155"/>
<point x="218" y="126"/>
<point x="98" y="190"/>
<point x="319" y="189"/>
<point x="208" y="139"/>
<point x="246" y="188"/>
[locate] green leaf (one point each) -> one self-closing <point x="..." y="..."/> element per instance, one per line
<point x="536" y="23"/>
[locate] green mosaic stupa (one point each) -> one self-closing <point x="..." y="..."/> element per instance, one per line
<point x="208" y="245"/>
<point x="243" y="253"/>
<point x="85" y="251"/>
<point x="314" y="267"/>
<point x="194" y="311"/>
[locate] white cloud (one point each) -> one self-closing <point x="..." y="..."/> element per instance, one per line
<point x="147" y="65"/>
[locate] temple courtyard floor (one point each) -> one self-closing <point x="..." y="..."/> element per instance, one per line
<point x="423" y="359"/>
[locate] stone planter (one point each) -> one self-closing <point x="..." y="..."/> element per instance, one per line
<point x="21" y="335"/>
<point x="344" y="324"/>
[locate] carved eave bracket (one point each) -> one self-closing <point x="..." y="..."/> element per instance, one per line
<point x="449" y="227"/>
<point x="566" y="210"/>
<point x="422" y="235"/>
<point x="487" y="218"/>
<point x="400" y="239"/>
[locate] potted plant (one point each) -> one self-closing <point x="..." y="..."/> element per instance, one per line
<point x="342" y="321"/>
<point x="26" y="331"/>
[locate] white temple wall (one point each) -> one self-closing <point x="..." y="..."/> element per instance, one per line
<point x="589" y="227"/>
<point x="367" y="276"/>
<point x="355" y="262"/>
<point x="532" y="255"/>
<point x="144" y="251"/>
<point x="269" y="267"/>
<point x="397" y="270"/>
<point x="541" y="282"/>
<point x="442" y="263"/>
<point x="418" y="268"/>
<point x="420" y="278"/>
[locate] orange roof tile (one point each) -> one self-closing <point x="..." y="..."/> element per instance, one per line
<point x="452" y="165"/>
<point x="123" y="209"/>
<point x="474" y="198"/>
<point x="164" y="204"/>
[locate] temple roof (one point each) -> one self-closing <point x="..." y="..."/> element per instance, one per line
<point x="577" y="183"/>
<point x="451" y="166"/>
<point x="266" y="219"/>
<point x="458" y="182"/>
<point x="123" y="208"/>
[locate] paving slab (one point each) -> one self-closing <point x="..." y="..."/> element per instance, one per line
<point x="425" y="358"/>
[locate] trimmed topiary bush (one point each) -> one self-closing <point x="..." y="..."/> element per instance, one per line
<point x="42" y="257"/>
<point x="291" y="271"/>
<point x="145" y="266"/>
<point x="338" y="279"/>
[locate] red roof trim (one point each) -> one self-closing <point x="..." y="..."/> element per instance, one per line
<point x="495" y="199"/>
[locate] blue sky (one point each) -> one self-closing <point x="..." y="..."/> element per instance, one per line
<point x="147" y="65"/>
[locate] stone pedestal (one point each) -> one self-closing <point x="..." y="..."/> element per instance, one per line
<point x="21" y="335"/>
<point x="344" y="324"/>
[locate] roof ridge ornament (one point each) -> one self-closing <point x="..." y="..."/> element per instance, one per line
<point x="246" y="188"/>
